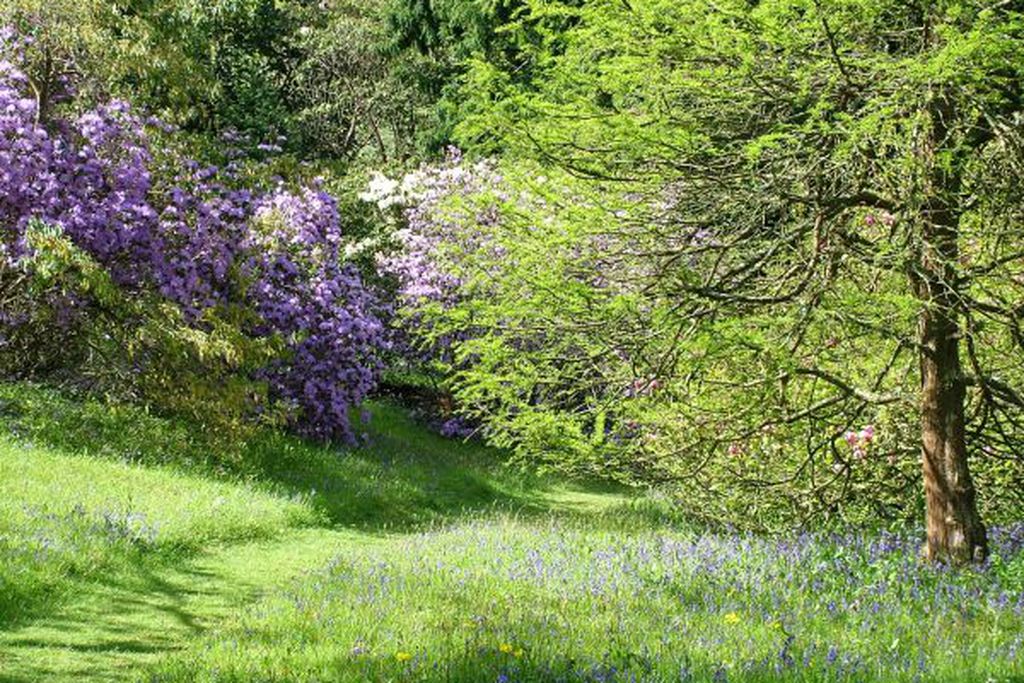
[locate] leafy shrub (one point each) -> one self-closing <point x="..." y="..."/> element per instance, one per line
<point x="535" y="298"/>
<point x="199" y="293"/>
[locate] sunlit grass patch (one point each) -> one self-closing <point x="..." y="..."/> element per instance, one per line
<point x="508" y="600"/>
<point x="66" y="516"/>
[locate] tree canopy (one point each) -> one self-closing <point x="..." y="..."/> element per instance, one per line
<point x="781" y="222"/>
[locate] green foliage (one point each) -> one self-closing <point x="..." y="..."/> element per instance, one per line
<point x="44" y="338"/>
<point x="569" y="362"/>
<point x="756" y="178"/>
<point x="205" y="373"/>
<point x="338" y="79"/>
<point x="206" y="65"/>
<point x="321" y="74"/>
<point x="198" y="64"/>
<point x="131" y="343"/>
<point x="440" y="40"/>
<point x="351" y="100"/>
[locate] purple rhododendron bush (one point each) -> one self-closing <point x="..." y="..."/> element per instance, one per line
<point x="195" y="285"/>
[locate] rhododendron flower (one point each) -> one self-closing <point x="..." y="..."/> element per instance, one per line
<point x="200" y="243"/>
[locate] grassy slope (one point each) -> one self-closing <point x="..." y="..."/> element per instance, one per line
<point x="123" y="534"/>
<point x="420" y="559"/>
<point x="403" y="479"/>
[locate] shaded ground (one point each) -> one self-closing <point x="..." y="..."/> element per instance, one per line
<point x="74" y="467"/>
<point x="117" y="625"/>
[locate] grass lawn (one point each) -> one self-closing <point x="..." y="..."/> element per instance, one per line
<point x="507" y="600"/>
<point x="138" y="548"/>
<point x="65" y="517"/>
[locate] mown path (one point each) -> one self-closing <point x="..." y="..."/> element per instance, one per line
<point x="103" y="459"/>
<point x="112" y="628"/>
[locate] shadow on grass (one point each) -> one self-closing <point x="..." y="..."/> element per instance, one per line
<point x="403" y="479"/>
<point x="128" y="619"/>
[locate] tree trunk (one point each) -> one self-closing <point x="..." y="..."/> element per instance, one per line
<point x="955" y="531"/>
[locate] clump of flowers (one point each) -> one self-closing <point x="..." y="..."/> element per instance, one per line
<point x="201" y="242"/>
<point x="860" y="441"/>
<point x="436" y="215"/>
<point x="509" y="649"/>
<point x="884" y="218"/>
<point x="319" y="306"/>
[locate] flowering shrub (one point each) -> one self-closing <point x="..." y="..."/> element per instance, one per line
<point x="105" y="183"/>
<point x="26" y="156"/>
<point x="492" y="283"/>
<point x="89" y="175"/>
<point x="440" y="212"/>
<point x="267" y="263"/>
<point x="327" y="317"/>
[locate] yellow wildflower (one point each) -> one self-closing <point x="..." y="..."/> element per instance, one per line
<point x="732" y="618"/>
<point x="403" y="656"/>
<point x="506" y="648"/>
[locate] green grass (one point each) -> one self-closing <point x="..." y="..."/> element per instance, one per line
<point x="67" y="517"/>
<point x="403" y="479"/>
<point x="107" y="510"/>
<point x="135" y="547"/>
<point x="502" y="599"/>
<point x="122" y="620"/>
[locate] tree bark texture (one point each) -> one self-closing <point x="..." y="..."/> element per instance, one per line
<point x="955" y="532"/>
